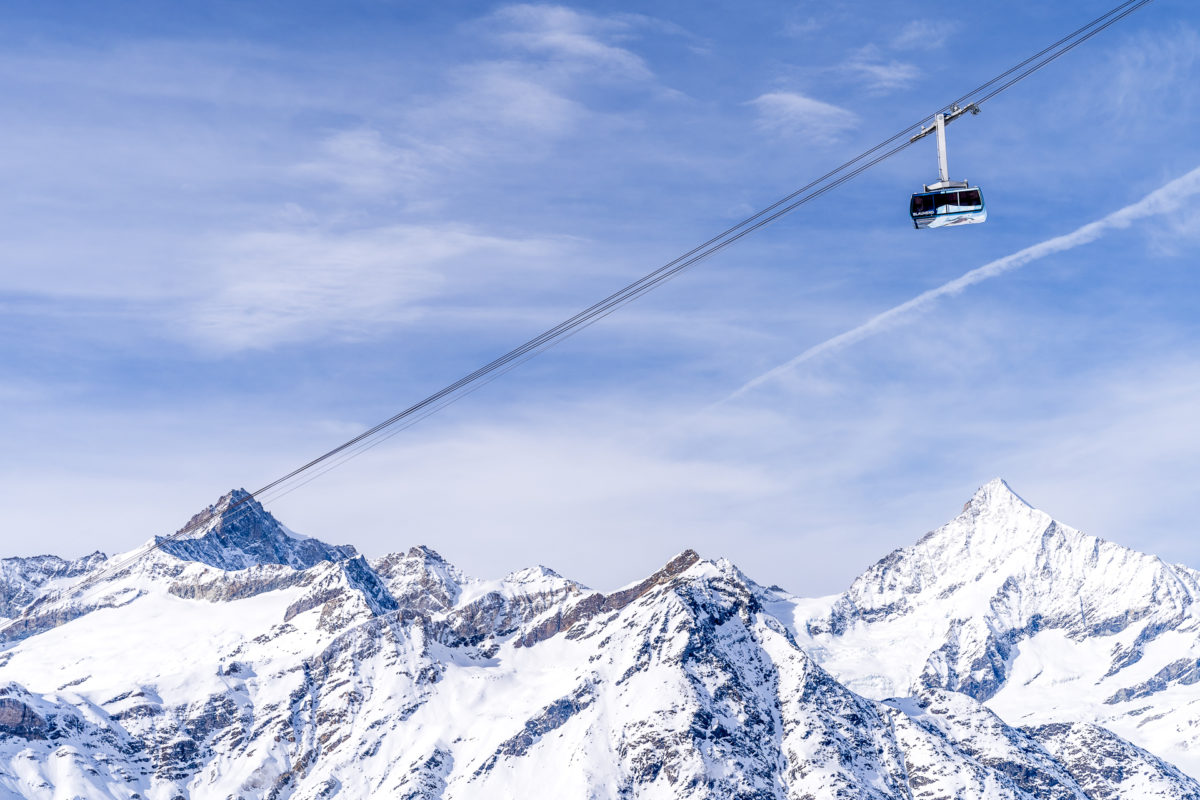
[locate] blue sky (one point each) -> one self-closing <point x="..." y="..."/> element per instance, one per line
<point x="237" y="234"/>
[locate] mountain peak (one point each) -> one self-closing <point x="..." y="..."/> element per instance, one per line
<point x="425" y="553"/>
<point x="995" y="494"/>
<point x="234" y="495"/>
<point x="967" y="595"/>
<point x="532" y="575"/>
<point x="421" y="577"/>
<point x="236" y="532"/>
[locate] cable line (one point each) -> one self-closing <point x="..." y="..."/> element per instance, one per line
<point x="589" y="316"/>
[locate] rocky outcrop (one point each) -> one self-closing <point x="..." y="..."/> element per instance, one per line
<point x="226" y="587"/>
<point x="420" y="579"/>
<point x="1107" y="767"/>
<point x="237" y="532"/>
<point x="1181" y="672"/>
<point x="24" y="580"/>
<point x="19" y="720"/>
<point x="597" y="603"/>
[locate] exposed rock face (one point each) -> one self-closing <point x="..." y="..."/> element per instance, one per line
<point x="248" y="666"/>
<point x="17" y="718"/>
<point x="1107" y="767"/>
<point x="597" y="603"/>
<point x="236" y="533"/>
<point x="421" y="579"/>
<point x="23" y="580"/>
<point x="1181" y="672"/>
<point x="988" y="741"/>
<point x="223" y="587"/>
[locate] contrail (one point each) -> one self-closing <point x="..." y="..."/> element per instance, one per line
<point x="1161" y="201"/>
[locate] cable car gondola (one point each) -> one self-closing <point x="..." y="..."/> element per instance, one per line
<point x="946" y="202"/>
<point x="959" y="204"/>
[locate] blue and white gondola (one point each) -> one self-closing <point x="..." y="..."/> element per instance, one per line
<point x="946" y="202"/>
<point x="943" y="207"/>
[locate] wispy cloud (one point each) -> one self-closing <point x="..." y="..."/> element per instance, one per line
<point x="513" y="98"/>
<point x="1168" y="198"/>
<point x="529" y="87"/>
<point x="301" y="183"/>
<point x="1146" y="74"/>
<point x="924" y="34"/>
<point x="1180" y="231"/>
<point x="570" y="36"/>
<point x="792" y="114"/>
<point x="288" y="286"/>
<point x="869" y="68"/>
<point x="583" y="40"/>
<point x="363" y="161"/>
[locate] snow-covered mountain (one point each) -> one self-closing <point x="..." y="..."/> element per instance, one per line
<point x="23" y="580"/>
<point x="1042" y="623"/>
<point x="243" y="661"/>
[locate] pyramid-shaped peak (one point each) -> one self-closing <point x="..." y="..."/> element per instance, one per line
<point x="967" y="594"/>
<point x="236" y="532"/>
<point x="235" y="503"/>
<point x="996" y="496"/>
<point x="994" y="522"/>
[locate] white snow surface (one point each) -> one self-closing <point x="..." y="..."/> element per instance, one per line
<point x="1041" y="622"/>
<point x="1002" y="656"/>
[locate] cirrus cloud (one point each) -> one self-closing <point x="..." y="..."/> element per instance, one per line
<point x="288" y="286"/>
<point x="793" y="114"/>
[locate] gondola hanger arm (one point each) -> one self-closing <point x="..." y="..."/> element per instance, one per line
<point x="955" y="112"/>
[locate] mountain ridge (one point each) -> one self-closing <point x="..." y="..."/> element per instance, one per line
<point x="197" y="674"/>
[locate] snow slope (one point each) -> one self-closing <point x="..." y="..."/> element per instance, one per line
<point x="251" y="663"/>
<point x="1041" y="622"/>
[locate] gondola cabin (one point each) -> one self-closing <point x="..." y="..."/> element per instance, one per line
<point x="943" y="207"/>
<point x="945" y="202"/>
